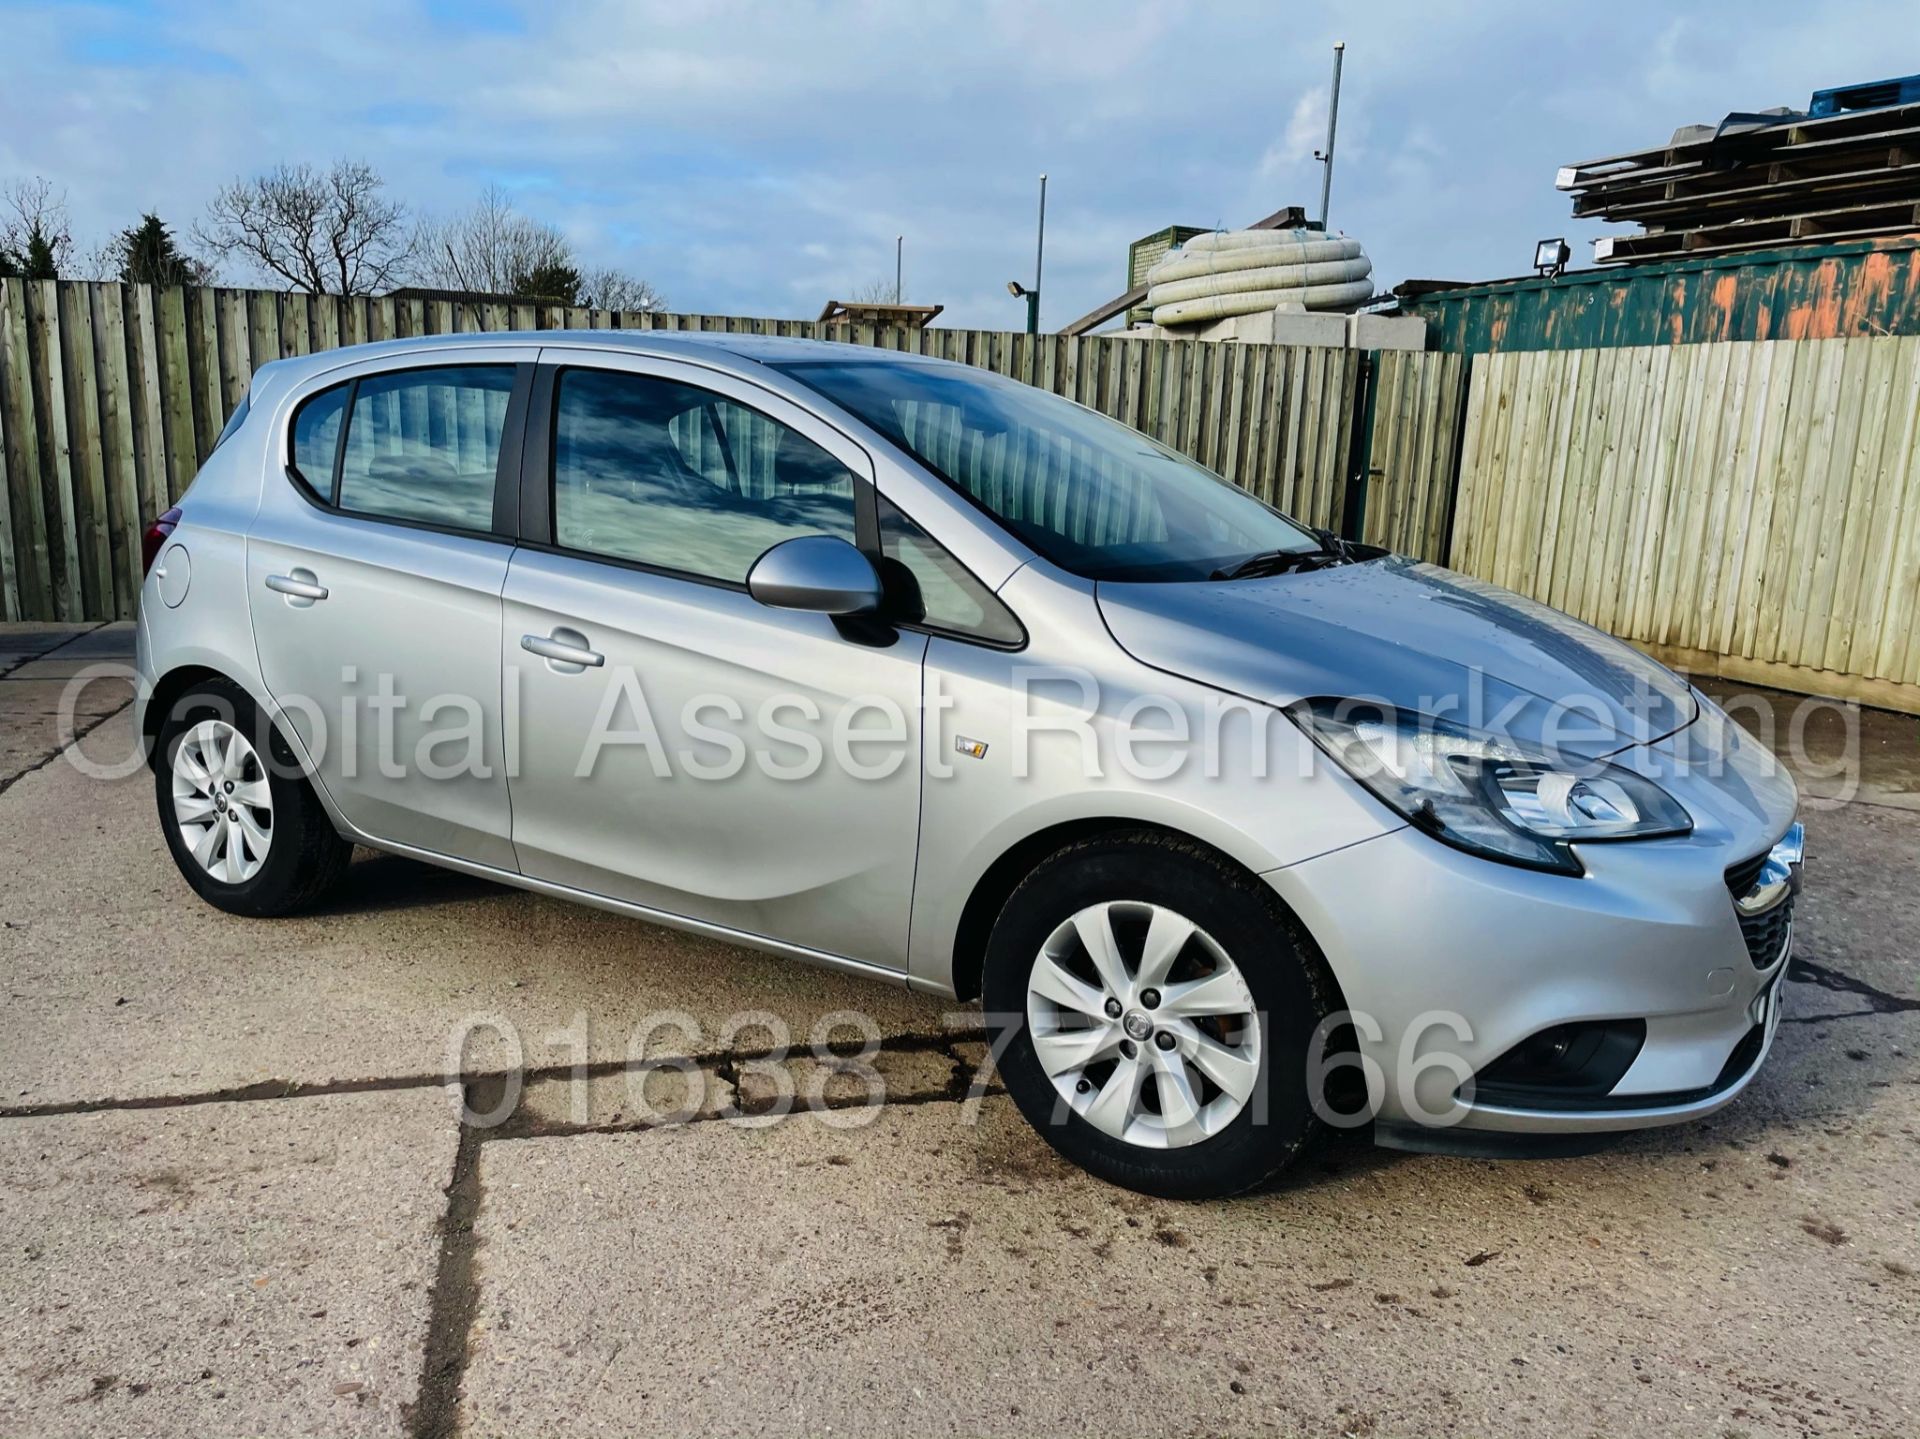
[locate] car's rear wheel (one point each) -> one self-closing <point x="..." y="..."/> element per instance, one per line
<point x="241" y="821"/>
<point x="1154" y="1009"/>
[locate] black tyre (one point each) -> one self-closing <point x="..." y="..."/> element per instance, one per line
<point x="1154" y="1009"/>
<point x="241" y="821"/>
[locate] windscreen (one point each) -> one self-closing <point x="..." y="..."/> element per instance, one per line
<point x="1088" y="493"/>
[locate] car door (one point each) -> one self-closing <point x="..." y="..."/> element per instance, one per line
<point x="374" y="571"/>
<point x="678" y="745"/>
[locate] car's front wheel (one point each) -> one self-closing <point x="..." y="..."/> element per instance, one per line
<point x="1154" y="1009"/>
<point x="241" y="821"/>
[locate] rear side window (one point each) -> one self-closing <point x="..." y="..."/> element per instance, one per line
<point x="424" y="445"/>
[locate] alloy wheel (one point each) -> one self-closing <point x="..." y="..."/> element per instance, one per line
<point x="1144" y="1024"/>
<point x="222" y="801"/>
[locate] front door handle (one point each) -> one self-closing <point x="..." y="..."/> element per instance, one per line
<point x="299" y="585"/>
<point x="566" y="647"/>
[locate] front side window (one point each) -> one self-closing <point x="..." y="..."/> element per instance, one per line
<point x="1090" y="494"/>
<point x="679" y="478"/>
<point x="421" y="445"/>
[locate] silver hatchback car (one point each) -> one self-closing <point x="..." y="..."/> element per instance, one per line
<point x="1234" y="828"/>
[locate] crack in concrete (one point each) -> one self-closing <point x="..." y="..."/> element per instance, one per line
<point x="48" y="654"/>
<point x="81" y="731"/>
<point x="1829" y="1018"/>
<point x="959" y="1089"/>
<point x="721" y="1062"/>
<point x="236" y="1094"/>
<point x="454" y="1298"/>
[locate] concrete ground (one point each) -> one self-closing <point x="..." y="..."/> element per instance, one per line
<point x="237" y="1195"/>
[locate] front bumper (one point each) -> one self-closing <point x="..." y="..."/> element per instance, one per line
<point x="1448" y="961"/>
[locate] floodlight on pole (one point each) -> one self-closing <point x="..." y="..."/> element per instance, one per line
<point x="1031" y="294"/>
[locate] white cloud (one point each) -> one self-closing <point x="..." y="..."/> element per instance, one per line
<point x="1306" y="132"/>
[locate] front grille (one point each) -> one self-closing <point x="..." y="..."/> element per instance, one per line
<point x="1741" y="877"/>
<point x="1765" y="932"/>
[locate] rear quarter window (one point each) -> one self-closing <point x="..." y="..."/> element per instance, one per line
<point x="316" y="440"/>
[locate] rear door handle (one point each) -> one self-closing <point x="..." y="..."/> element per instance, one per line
<point x="300" y="585"/>
<point x="567" y="647"/>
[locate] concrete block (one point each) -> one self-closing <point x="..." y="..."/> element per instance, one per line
<point x="1386" y="332"/>
<point x="1308" y="327"/>
<point x="903" y="1271"/>
<point x="256" y="1268"/>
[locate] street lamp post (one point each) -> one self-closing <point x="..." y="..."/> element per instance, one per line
<point x="1325" y="157"/>
<point x="899" y="243"/>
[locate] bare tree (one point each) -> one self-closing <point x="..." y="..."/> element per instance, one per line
<point x="491" y="249"/>
<point x="875" y="292"/>
<point x="332" y="233"/>
<point x="35" y="238"/>
<point x="608" y="289"/>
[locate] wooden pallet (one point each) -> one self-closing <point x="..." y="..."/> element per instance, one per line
<point x="1849" y="176"/>
<point x="1791" y="137"/>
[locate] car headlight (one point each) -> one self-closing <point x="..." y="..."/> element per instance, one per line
<point x="1485" y="794"/>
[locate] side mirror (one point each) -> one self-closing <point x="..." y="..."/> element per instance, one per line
<point x="819" y="573"/>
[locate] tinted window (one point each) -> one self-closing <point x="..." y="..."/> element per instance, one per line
<point x="316" y="436"/>
<point x="423" y="444"/>
<point x="1090" y="494"/>
<point x="669" y="475"/>
<point x="943" y="593"/>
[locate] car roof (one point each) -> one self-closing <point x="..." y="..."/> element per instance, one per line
<point x="744" y="351"/>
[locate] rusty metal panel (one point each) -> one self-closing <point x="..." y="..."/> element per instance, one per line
<point x="1810" y="292"/>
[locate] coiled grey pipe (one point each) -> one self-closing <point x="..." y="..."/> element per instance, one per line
<point x="1186" y="262"/>
<point x="1225" y="273"/>
<point x="1256" y="302"/>
<point x="1265" y="277"/>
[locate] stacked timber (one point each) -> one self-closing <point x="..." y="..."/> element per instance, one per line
<point x="1758" y="181"/>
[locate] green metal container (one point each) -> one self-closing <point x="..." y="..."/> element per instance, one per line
<point x="1809" y="292"/>
<point x="1143" y="254"/>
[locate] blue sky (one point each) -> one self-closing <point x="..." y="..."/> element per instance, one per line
<point x="760" y="158"/>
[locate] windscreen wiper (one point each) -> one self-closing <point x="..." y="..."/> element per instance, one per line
<point x="1332" y="550"/>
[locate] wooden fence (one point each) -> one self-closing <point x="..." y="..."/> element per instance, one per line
<point x="1750" y="509"/>
<point x="111" y="395"/>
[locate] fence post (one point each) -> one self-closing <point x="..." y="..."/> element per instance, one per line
<point x="1353" y="507"/>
